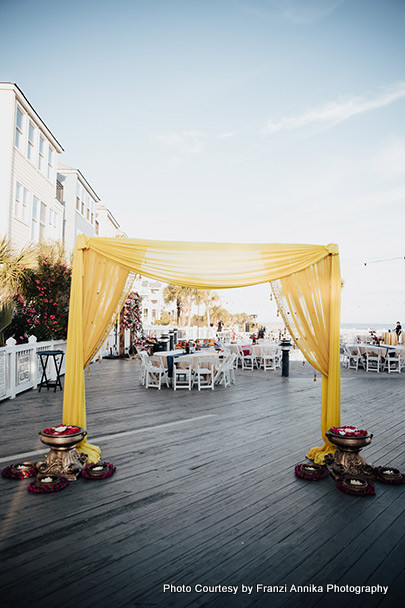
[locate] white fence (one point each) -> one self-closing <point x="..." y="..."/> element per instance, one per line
<point x="183" y="333"/>
<point x="20" y="368"/>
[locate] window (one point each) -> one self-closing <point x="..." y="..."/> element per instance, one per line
<point x="53" y="218"/>
<point x="88" y="214"/>
<point x="18" y="196"/>
<point x="50" y="162"/>
<point x="41" y="157"/>
<point x="77" y="203"/>
<point x="42" y="221"/>
<point x="59" y="191"/>
<point x="82" y="211"/>
<point x="97" y="228"/>
<point x="31" y="141"/>
<point x="19" y="126"/>
<point x="92" y="218"/>
<point x="34" y="219"/>
<point x="25" y="205"/>
<point x="21" y="202"/>
<point x="145" y="312"/>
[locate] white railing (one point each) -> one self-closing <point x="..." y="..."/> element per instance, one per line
<point x="183" y="333"/>
<point x="20" y="368"/>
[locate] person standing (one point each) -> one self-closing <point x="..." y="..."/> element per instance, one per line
<point x="398" y="330"/>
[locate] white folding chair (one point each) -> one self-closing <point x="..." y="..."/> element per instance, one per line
<point x="393" y="362"/>
<point x="268" y="358"/>
<point x="182" y="373"/>
<point x="249" y="359"/>
<point x="373" y="361"/>
<point x="142" y="372"/>
<point x="226" y="372"/>
<point x="354" y="358"/>
<point x="232" y="363"/>
<point x="204" y="373"/>
<point x="278" y="357"/>
<point x="155" y="373"/>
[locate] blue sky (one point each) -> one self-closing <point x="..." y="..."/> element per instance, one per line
<point x="232" y="120"/>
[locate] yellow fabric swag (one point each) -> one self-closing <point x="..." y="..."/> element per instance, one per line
<point x="304" y="278"/>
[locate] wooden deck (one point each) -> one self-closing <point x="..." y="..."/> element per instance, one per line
<point x="204" y="494"/>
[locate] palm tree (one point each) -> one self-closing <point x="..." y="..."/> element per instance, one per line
<point x="218" y="313"/>
<point x="55" y="252"/>
<point x="13" y="267"/>
<point x="208" y="297"/>
<point x="179" y="294"/>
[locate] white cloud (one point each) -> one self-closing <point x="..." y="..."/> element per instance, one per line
<point x="228" y="134"/>
<point x="298" y="11"/>
<point x="185" y="143"/>
<point x="336" y="112"/>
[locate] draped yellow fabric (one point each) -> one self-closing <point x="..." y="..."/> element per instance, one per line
<point x="305" y="278"/>
<point x="309" y="302"/>
<point x="97" y="288"/>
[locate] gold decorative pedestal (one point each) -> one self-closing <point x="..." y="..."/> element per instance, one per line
<point x="347" y="460"/>
<point x="63" y="458"/>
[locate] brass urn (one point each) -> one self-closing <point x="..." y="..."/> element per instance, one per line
<point x="347" y="459"/>
<point x="63" y="458"/>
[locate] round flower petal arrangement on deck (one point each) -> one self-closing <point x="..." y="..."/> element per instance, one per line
<point x="98" y="470"/>
<point x="389" y="475"/>
<point x="355" y="486"/>
<point x="311" y="471"/>
<point x="47" y="484"/>
<point x="20" y="470"/>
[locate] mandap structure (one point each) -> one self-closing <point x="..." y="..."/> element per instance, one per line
<point x="305" y="280"/>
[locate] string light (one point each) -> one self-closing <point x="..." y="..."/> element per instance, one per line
<point x="386" y="260"/>
<point x="88" y="372"/>
<point x="314" y="377"/>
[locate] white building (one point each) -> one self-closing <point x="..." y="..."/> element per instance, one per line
<point x="79" y="201"/>
<point x="153" y="303"/>
<point x="106" y="224"/>
<point x="29" y="210"/>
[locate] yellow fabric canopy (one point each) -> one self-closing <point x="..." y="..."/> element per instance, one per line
<point x="305" y="279"/>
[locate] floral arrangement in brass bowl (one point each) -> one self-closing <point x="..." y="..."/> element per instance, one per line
<point x="310" y="471"/>
<point x="63" y="436"/>
<point x="47" y="484"/>
<point x="98" y="470"/>
<point x="62" y="429"/>
<point x="389" y="475"/>
<point x="349" y="438"/>
<point x="348" y="431"/>
<point x="355" y="486"/>
<point x="19" y="470"/>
